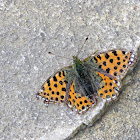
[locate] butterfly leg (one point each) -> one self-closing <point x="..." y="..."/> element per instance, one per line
<point x="93" y="98"/>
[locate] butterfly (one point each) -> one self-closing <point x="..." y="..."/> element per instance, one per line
<point x="80" y="86"/>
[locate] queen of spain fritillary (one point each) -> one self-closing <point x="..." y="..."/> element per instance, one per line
<point x="80" y="85"/>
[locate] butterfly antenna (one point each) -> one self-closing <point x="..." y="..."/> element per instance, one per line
<point x="82" y="46"/>
<point x="59" y="55"/>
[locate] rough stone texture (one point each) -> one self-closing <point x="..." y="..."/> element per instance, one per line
<point x="28" y="30"/>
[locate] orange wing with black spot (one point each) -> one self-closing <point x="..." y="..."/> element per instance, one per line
<point x="115" y="63"/>
<point x="54" y="91"/>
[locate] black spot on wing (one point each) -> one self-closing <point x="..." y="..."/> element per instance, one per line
<point x="121" y="70"/>
<point x="104" y="63"/>
<point x="123" y="52"/>
<point x="55" y="85"/>
<point x="100" y="66"/>
<point x="60" y="74"/>
<point x="124" y="66"/>
<point x="63" y="73"/>
<point x="105" y="91"/>
<point x="62" y="97"/>
<point x="106" y="56"/>
<point x="61" y="82"/>
<point x="110" y="90"/>
<point x="48" y="82"/>
<point x="83" y="107"/>
<point x="115" y="67"/>
<point x="118" y="58"/>
<point x="118" y="63"/>
<point x="99" y="57"/>
<point x="115" y="73"/>
<point x="107" y="70"/>
<point x="114" y="52"/>
<point x="54" y="78"/>
<point x="63" y="89"/>
<point x="126" y="57"/>
<point x="95" y="59"/>
<point x="111" y="60"/>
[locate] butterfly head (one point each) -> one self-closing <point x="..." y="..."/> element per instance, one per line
<point x="76" y="61"/>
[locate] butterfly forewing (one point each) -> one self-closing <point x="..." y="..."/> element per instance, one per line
<point x="115" y="62"/>
<point x="53" y="90"/>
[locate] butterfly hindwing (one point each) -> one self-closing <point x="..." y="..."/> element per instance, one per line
<point x="109" y="90"/>
<point x="81" y="103"/>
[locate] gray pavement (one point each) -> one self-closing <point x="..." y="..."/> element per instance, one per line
<point x="28" y="30"/>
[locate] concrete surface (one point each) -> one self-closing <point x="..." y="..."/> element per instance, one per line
<point x="28" y="30"/>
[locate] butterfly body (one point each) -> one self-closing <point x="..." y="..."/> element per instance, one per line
<point x="86" y="80"/>
<point x="80" y="85"/>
